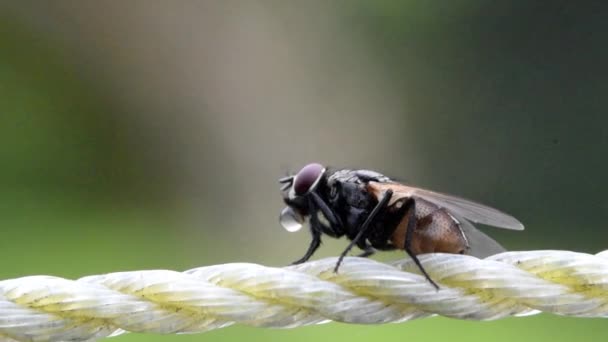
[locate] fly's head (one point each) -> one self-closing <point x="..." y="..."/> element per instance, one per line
<point x="296" y="191"/>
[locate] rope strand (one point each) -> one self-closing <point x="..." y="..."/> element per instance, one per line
<point x="44" y="308"/>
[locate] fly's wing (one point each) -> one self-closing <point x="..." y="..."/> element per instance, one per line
<point x="480" y="245"/>
<point x="472" y="211"/>
<point x="475" y="212"/>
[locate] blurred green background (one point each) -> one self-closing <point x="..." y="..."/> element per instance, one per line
<point x="150" y="135"/>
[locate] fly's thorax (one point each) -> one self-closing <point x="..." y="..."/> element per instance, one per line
<point x="346" y="188"/>
<point x="347" y="195"/>
<point x="369" y="175"/>
<point x="343" y="175"/>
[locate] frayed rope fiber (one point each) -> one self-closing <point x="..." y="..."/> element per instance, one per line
<point x="44" y="308"/>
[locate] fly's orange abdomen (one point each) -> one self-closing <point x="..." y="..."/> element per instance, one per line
<point x="436" y="231"/>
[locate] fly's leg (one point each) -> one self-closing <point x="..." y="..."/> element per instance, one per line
<point x="363" y="231"/>
<point x="335" y="225"/>
<point x="410" y="208"/>
<point x="316" y="227"/>
<point x="368" y="250"/>
<point x="314" y="243"/>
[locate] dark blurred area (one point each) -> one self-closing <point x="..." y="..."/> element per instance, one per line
<point x="149" y="134"/>
<point x="508" y="102"/>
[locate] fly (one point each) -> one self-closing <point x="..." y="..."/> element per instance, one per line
<point x="377" y="213"/>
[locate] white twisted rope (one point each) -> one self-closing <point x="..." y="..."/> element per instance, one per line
<point x="43" y="308"/>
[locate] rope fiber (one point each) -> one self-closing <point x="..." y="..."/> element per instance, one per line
<point x="364" y="291"/>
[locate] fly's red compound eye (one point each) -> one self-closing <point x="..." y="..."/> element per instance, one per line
<point x="307" y="178"/>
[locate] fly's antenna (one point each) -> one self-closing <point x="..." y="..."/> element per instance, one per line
<point x="287" y="182"/>
<point x="287" y="171"/>
<point x="288" y="179"/>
